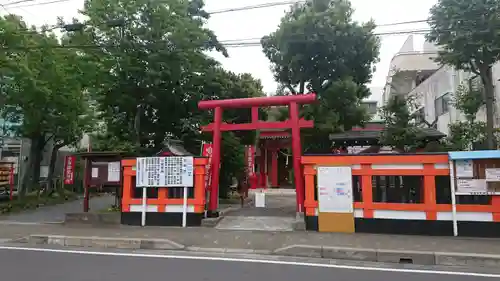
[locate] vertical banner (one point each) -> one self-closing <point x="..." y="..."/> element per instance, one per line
<point x="69" y="169"/>
<point x="250" y="160"/>
<point x="251" y="178"/>
<point x="207" y="152"/>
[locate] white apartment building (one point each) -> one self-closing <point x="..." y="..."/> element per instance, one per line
<point x="415" y="73"/>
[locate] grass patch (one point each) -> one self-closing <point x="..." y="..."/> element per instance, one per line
<point x="110" y="209"/>
<point x="32" y="201"/>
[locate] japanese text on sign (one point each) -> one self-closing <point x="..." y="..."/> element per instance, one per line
<point x="335" y="190"/>
<point x="207" y="152"/>
<point x="165" y="172"/>
<point x="492" y="174"/>
<point x="114" y="171"/>
<point x="69" y="169"/>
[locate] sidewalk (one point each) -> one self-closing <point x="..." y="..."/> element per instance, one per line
<point x="267" y="241"/>
<point x="56" y="213"/>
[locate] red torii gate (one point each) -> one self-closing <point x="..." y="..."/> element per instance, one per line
<point x="294" y="123"/>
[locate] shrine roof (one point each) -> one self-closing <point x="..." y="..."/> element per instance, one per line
<point x="366" y="135"/>
<point x="103" y="154"/>
<point x="274" y="134"/>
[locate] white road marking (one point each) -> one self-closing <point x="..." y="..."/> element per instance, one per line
<point x="264" y="261"/>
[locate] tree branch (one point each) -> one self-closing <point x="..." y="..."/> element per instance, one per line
<point x="474" y="68"/>
<point x="291" y="89"/>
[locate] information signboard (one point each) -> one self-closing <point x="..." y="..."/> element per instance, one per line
<point x="335" y="190"/>
<point x="465" y="168"/>
<point x="471" y="187"/>
<point x="114" y="171"/>
<point x="171" y="171"/>
<point x="492" y="174"/>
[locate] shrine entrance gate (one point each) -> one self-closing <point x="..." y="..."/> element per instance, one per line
<point x="294" y="123"/>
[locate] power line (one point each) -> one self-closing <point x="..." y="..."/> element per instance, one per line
<point x="248" y="42"/>
<point x="253" y="7"/>
<point x="32" y="4"/>
<point x="227" y="44"/>
<point x="222" y="11"/>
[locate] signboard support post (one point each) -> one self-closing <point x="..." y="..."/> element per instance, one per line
<point x="144" y="206"/>
<point x="184" y="207"/>
<point x="453" y="199"/>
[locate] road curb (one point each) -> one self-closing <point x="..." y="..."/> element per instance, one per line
<point x="310" y="251"/>
<point x="104" y="242"/>
<point x="390" y="256"/>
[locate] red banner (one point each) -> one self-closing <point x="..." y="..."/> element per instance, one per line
<point x="250" y="159"/>
<point x="207" y="152"/>
<point x="69" y="169"/>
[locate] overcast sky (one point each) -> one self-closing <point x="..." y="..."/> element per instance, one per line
<point x="259" y="22"/>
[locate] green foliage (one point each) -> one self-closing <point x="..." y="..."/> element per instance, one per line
<point x="467" y="31"/>
<point x="319" y="48"/>
<point x="465" y="135"/>
<point x="151" y="61"/>
<point x="469" y="134"/>
<point x="233" y="162"/>
<point x="469" y="99"/>
<point x="43" y="90"/>
<point x="401" y="131"/>
<point x="152" y="70"/>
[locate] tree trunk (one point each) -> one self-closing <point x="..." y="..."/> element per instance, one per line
<point x="137" y="127"/>
<point x="26" y="175"/>
<point x="302" y="88"/>
<point x="38" y="157"/>
<point x="32" y="172"/>
<point x="489" y="92"/>
<point x="52" y="165"/>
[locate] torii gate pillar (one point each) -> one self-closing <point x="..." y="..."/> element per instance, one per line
<point x="294" y="123"/>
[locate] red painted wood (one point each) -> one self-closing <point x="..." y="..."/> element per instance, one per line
<point x="258" y="126"/>
<point x="257" y="102"/>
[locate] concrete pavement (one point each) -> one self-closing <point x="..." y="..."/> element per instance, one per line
<point x="278" y="214"/>
<point x="360" y="247"/>
<point x="54" y="264"/>
<point x="56" y="213"/>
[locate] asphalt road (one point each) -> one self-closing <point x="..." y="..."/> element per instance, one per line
<point x="27" y="265"/>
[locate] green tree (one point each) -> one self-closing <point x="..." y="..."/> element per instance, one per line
<point x="467" y="31"/>
<point x="319" y="48"/>
<point x="468" y="134"/>
<point x="152" y="54"/>
<point x="228" y="85"/>
<point x="401" y="131"/>
<point x="43" y="90"/>
<point x="153" y="72"/>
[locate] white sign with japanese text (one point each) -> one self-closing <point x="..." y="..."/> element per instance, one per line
<point x="492" y="174"/>
<point x="335" y="190"/>
<point x="165" y="171"/>
<point x="114" y="171"/>
<point x="464" y="168"/>
<point x="470" y="187"/>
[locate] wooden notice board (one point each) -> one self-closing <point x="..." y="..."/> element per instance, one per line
<point x="336" y="212"/>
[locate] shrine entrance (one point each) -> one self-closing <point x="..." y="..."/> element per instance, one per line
<point x="279" y="202"/>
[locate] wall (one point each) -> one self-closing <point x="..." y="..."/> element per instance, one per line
<point x="447" y="80"/>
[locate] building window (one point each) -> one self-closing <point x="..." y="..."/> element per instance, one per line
<point x="370" y="107"/>
<point x="442" y="104"/>
<point x="420" y="115"/>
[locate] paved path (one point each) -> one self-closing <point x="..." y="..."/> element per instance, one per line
<point x="55" y="213"/>
<point x="256" y="223"/>
<point x="262" y="240"/>
<point x="25" y="265"/>
<point x="278" y="215"/>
